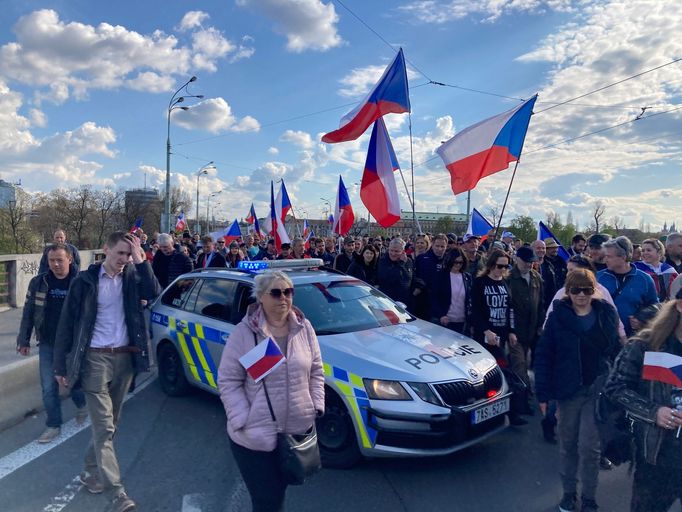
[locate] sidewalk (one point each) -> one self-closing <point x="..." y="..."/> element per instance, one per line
<point x="20" y="393"/>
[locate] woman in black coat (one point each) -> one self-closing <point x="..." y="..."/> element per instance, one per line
<point x="572" y="359"/>
<point x="365" y="267"/>
<point x="454" y="283"/>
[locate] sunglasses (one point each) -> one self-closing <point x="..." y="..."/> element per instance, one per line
<point x="500" y="267"/>
<point x="222" y="243"/>
<point x="577" y="290"/>
<point x="458" y="262"/>
<point x="276" y="293"/>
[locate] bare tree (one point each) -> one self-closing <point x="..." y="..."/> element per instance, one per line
<point x="107" y="206"/>
<point x="493" y="214"/>
<point x="618" y="223"/>
<point x="598" y="213"/>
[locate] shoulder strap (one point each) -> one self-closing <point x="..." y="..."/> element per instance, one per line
<point x="265" y="388"/>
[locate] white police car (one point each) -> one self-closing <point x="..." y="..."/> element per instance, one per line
<point x="395" y="385"/>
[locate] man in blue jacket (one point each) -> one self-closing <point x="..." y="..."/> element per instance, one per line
<point x="428" y="268"/>
<point x="630" y="288"/>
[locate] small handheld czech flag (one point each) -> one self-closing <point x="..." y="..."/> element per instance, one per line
<point x="262" y="359"/>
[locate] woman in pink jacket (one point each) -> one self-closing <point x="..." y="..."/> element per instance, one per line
<point x="295" y="388"/>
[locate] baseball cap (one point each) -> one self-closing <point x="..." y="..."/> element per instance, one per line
<point x="508" y="234"/>
<point x="468" y="237"/>
<point x="526" y="254"/>
<point x="550" y="242"/>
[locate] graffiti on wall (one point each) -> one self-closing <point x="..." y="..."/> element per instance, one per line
<point x="29" y="267"/>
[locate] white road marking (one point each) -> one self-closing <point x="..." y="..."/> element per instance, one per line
<point x="65" y="497"/>
<point x="28" y="453"/>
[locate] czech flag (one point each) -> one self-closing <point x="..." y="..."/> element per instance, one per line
<point x="478" y="225"/>
<point x="251" y="217"/>
<point x="389" y="95"/>
<point x="278" y="233"/>
<point x="233" y="232"/>
<point x="330" y="219"/>
<point x="282" y="203"/>
<point x="307" y="233"/>
<point x="378" y="190"/>
<point x="486" y="147"/>
<point x="663" y="367"/>
<point x="544" y="233"/>
<point x="136" y="226"/>
<point x="343" y="211"/>
<point x="180" y="223"/>
<point x="262" y="359"/>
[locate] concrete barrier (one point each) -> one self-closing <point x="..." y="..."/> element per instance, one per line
<point x="20" y="393"/>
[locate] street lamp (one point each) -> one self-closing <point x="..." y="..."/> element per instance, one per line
<point x="173" y="105"/>
<point x="202" y="170"/>
<point x="208" y="202"/>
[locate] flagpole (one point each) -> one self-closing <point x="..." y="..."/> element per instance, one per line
<point x="511" y="182"/>
<point x="414" y="213"/>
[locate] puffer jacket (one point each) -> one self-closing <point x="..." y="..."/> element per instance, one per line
<point x="79" y="313"/>
<point x="296" y="387"/>
<point x="640" y="398"/>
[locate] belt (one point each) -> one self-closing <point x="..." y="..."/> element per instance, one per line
<point x="114" y="350"/>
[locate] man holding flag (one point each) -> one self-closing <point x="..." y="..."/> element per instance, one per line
<point x="647" y="382"/>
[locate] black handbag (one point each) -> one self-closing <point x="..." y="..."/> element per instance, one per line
<point x="297" y="454"/>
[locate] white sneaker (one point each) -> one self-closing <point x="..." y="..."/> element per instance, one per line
<point x="49" y="435"/>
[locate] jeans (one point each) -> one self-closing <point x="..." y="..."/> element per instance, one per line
<point x="579" y="443"/>
<point x="50" y="387"/>
<point x="106" y="379"/>
<point x="260" y="471"/>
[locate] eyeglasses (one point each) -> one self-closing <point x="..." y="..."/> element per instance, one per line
<point x="500" y="267"/>
<point x="276" y="293"/>
<point x="577" y="290"/>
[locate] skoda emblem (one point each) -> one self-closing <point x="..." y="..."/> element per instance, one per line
<point x="473" y="373"/>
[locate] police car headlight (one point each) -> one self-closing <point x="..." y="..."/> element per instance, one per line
<point x="425" y="392"/>
<point x="386" y="390"/>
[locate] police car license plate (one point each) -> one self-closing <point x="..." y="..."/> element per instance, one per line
<point x="489" y="411"/>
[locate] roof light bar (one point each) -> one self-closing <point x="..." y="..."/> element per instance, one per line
<point x="261" y="265"/>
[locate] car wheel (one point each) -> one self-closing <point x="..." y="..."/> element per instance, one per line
<point x="336" y="436"/>
<point x="171" y="373"/>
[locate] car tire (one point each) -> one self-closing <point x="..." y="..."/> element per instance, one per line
<point x="336" y="435"/>
<point x="171" y="372"/>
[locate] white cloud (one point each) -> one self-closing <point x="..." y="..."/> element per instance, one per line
<point x="307" y="24"/>
<point x="214" y="115"/>
<point x="193" y="19"/>
<point x="63" y="59"/>
<point x="298" y="138"/>
<point x="272" y="150"/>
<point x="38" y="118"/>
<point x="121" y="175"/>
<point x="15" y="136"/>
<point x="439" y="12"/>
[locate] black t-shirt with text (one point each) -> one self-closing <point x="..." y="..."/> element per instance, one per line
<point x="56" y="294"/>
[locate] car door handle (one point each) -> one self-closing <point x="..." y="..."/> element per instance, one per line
<point x="181" y="325"/>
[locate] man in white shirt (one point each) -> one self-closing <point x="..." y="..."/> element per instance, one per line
<point x="102" y="329"/>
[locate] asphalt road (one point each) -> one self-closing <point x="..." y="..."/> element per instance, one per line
<point x="175" y="457"/>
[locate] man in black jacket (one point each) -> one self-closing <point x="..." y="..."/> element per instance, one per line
<point x="169" y="263"/>
<point x="210" y="257"/>
<point x="394" y="273"/>
<point x="44" y="302"/>
<point x="59" y="237"/>
<point x="102" y="331"/>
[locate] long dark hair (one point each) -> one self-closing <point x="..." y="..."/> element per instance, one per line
<point x="451" y="256"/>
<point x="492" y="261"/>
<point x="371" y="248"/>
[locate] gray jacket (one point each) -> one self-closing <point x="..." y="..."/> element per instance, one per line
<point x="77" y="321"/>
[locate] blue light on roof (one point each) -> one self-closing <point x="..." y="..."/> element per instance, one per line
<point x="252" y="265"/>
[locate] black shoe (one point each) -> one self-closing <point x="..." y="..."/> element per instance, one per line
<point x="568" y="502"/>
<point x="588" y="505"/>
<point x="548" y="430"/>
<point x="605" y="464"/>
<point x="516" y="420"/>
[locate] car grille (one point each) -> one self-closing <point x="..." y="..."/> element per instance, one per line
<point x="459" y="393"/>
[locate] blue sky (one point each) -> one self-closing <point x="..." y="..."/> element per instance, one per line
<point x="84" y="88"/>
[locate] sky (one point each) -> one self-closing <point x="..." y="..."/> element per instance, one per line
<point x="85" y="88"/>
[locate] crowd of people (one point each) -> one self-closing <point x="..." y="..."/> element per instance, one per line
<point x="564" y="331"/>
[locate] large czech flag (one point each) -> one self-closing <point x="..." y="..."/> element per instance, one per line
<point x="343" y="213"/>
<point x="486" y="147"/>
<point x="282" y="202"/>
<point x="389" y="96"/>
<point x="262" y="359"/>
<point x="663" y="367"/>
<point x="378" y="190"/>
<point x="232" y="233"/>
<point x="278" y="232"/>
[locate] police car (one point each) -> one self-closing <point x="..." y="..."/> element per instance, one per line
<point x="395" y="385"/>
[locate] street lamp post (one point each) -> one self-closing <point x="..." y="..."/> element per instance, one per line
<point x="208" y="202"/>
<point x="328" y="211"/>
<point x="173" y="105"/>
<point x="202" y="170"/>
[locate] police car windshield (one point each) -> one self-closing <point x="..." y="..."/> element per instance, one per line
<point x="347" y="306"/>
